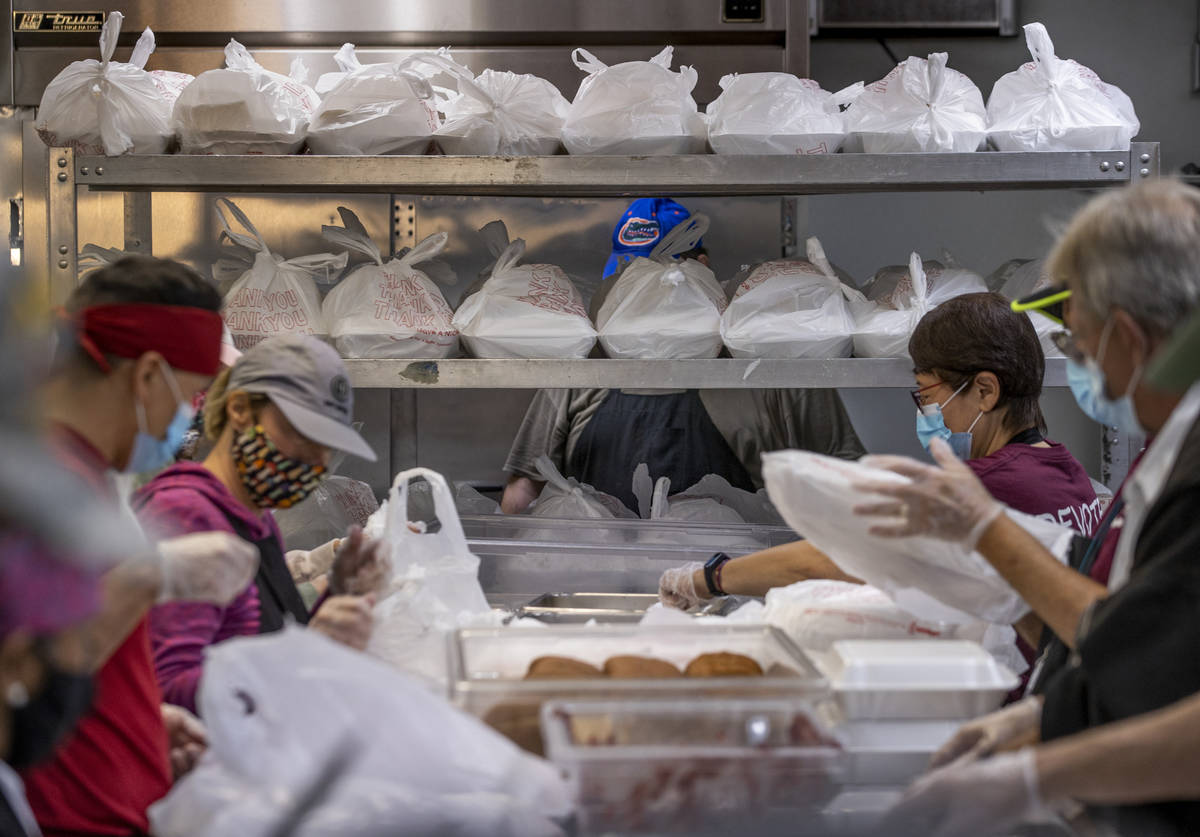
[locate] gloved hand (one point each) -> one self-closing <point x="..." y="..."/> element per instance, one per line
<point x="346" y="619"/>
<point x="361" y="565"/>
<point x="983" y="736"/>
<point x="677" y="587"/>
<point x="187" y="739"/>
<point x="987" y="797"/>
<point x="206" y="567"/>
<point x="308" y="564"/>
<point x="947" y="502"/>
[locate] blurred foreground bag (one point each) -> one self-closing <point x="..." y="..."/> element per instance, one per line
<point x="282" y="708"/>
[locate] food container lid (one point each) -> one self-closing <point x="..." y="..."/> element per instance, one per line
<point x="916" y="665"/>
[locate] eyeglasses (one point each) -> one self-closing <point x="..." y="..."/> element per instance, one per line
<point x="1065" y="342"/>
<point x="918" y="399"/>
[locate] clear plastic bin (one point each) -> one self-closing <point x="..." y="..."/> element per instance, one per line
<point x="677" y="766"/>
<point x="891" y="752"/>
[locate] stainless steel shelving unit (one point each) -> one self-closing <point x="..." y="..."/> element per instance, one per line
<point x="563" y="176"/>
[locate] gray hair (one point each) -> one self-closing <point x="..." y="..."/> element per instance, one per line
<point x="1137" y="249"/>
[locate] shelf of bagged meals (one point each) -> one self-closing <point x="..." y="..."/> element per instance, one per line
<point x="714" y="373"/>
<point x="598" y="176"/>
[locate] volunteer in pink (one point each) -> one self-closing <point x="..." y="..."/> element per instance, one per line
<point x="273" y="419"/>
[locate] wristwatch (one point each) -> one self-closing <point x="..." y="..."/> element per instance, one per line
<point x="712" y="574"/>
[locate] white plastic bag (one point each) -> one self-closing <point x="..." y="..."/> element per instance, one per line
<point x="777" y="113"/>
<point x="245" y="108"/>
<point x="275" y="296"/>
<point x="638" y="107"/>
<point x="281" y="708"/>
<point x="106" y="107"/>
<point x="435" y="583"/>
<point x="392" y="309"/>
<point x="565" y="498"/>
<point x="471" y="502"/>
<point x="525" y="311"/>
<point x="1020" y="277"/>
<point x="375" y="109"/>
<point x="664" y="308"/>
<point x="930" y="578"/>
<point x="1055" y="104"/>
<point x="896" y="302"/>
<point x="503" y="113"/>
<point x="792" y="309"/>
<point x="689" y="509"/>
<point x="335" y="505"/>
<point x="921" y="105"/>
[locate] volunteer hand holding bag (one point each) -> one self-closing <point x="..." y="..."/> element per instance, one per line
<point x="1056" y="104"/>
<point x="777" y="113"/>
<point x="388" y="310"/>
<point x="525" y="311"/>
<point x="276" y="295"/>
<point x="792" y="308"/>
<point x="664" y="308"/>
<point x="106" y="107"/>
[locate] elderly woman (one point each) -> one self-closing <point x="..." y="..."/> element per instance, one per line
<point x="978" y="368"/>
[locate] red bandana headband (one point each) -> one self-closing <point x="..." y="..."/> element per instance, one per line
<point x="188" y="338"/>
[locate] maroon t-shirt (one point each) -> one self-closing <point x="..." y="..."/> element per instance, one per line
<point x="1045" y="482"/>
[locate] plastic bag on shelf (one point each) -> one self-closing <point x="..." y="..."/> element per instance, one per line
<point x="637" y="107"/>
<point x="105" y="106"/>
<point x="792" y="308"/>
<point x="276" y="295"/>
<point x="663" y="308"/>
<point x="503" y="113"/>
<point x="777" y="113"/>
<point x="470" y="501"/>
<point x="921" y="105"/>
<point x="1020" y="277"/>
<point x="375" y="109"/>
<point x="689" y="509"/>
<point x="1056" y="104"/>
<point x="565" y="498"/>
<point x="335" y="505"/>
<point x="525" y="311"/>
<point x="392" y="309"/>
<point x="897" y="302"/>
<point x="356" y="715"/>
<point x="245" y="108"/>
<point x="930" y="578"/>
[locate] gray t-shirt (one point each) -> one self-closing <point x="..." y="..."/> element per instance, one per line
<point x="752" y="421"/>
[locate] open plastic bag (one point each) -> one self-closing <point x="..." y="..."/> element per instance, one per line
<point x="106" y="107"/>
<point x="1020" y="277"/>
<point x="921" y="105"/>
<point x="525" y="311"/>
<point x="897" y="300"/>
<point x="566" y="498"/>
<point x="435" y="582"/>
<point x="689" y="509"/>
<point x="503" y="113"/>
<point x="930" y="578"/>
<point x="245" y="108"/>
<point x="777" y="113"/>
<point x="276" y="295"/>
<point x="663" y="308"/>
<point x="335" y="505"/>
<point x="638" y="107"/>
<point x="296" y="721"/>
<point x="792" y="308"/>
<point x="392" y="309"/>
<point x="375" y="109"/>
<point x="1056" y="104"/>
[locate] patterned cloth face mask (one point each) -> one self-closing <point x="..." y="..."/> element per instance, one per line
<point x="273" y="480"/>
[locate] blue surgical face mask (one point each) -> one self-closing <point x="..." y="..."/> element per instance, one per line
<point x="1087" y="385"/>
<point x="931" y="424"/>
<point x="149" y="453"/>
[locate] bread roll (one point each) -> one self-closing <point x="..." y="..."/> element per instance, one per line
<point x="520" y="723"/>
<point x="630" y="667"/>
<point x="723" y="664"/>
<point x="561" y="668"/>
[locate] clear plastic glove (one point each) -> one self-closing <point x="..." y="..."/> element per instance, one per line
<point x="206" y="567"/>
<point x="346" y="619"/>
<point x="983" y="736"/>
<point x="677" y="587"/>
<point x="361" y="565"/>
<point x="309" y="564"/>
<point x="987" y="797"/>
<point x="187" y="739"/>
<point x="947" y="502"/>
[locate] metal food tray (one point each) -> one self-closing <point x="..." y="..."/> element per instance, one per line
<point x="566" y="608"/>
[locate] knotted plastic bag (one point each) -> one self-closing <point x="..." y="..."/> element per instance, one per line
<point x="638" y="107"/>
<point x="503" y="113"/>
<point x="777" y="113"/>
<point x="105" y="106"/>
<point x="388" y="309"/>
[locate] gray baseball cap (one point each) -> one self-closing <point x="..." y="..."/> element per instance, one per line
<point x="307" y="381"/>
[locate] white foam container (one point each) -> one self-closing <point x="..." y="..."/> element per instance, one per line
<point x="891" y="752"/>
<point x="915" y="679"/>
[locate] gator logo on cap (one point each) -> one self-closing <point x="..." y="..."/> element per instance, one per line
<point x="339" y="388"/>
<point x="637" y="232"/>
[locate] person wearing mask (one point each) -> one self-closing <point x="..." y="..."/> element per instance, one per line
<point x="600" y="436"/>
<point x="979" y="368"/>
<point x="1130" y="262"/>
<point x="274" y="419"/>
<point x="140" y="337"/>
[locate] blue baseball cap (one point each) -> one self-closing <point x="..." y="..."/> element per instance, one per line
<point x="641" y="227"/>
